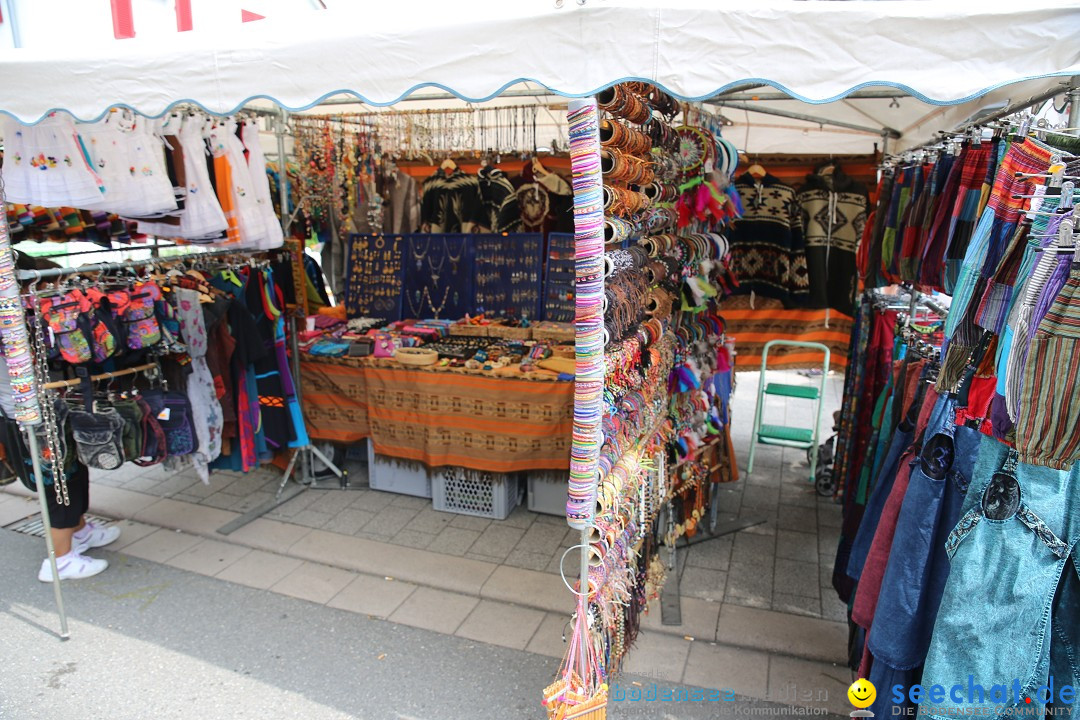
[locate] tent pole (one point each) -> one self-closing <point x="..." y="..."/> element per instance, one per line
<point x="21" y="369"/>
<point x="889" y="132"/>
<point x="1074" y="105"/>
<point x="46" y="523"/>
<point x="281" y="126"/>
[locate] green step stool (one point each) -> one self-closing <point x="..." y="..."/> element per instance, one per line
<point x="794" y="437"/>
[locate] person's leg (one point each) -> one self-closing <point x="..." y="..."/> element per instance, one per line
<point x="66" y="520"/>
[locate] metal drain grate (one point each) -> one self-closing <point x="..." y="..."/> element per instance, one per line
<point x="33" y="525"/>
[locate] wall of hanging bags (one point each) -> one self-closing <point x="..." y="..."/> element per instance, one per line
<point x="210" y="384"/>
<point x="959" y="478"/>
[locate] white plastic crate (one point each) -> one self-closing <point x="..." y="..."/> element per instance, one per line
<point x="473" y="492"/>
<point x="547" y="491"/>
<point x="397" y="476"/>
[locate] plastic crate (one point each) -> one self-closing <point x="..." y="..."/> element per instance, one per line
<point x="474" y="492"/>
<point x="397" y="476"/>
<point x="547" y="491"/>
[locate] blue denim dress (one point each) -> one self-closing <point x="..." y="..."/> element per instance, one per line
<point x="1009" y="611"/>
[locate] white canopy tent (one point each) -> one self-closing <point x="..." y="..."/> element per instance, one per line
<point x="826" y="53"/>
<point x="941" y="53"/>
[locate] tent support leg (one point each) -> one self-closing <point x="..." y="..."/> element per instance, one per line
<point x="35" y="454"/>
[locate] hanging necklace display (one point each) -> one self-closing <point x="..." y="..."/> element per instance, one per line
<point x="436" y="272"/>
<point x="49" y="421"/>
<point x="419" y="256"/>
<point x="454" y="260"/>
<point x="437" y="310"/>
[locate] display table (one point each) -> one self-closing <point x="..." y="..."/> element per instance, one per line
<point x="504" y="421"/>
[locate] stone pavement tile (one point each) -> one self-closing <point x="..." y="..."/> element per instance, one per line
<point x="703" y="583"/>
<point x="544" y="538"/>
<point x="745" y="672"/>
<point x="520" y="517"/>
<point x="658" y="656"/>
<point x="714" y="554"/>
<point x="470" y="522"/>
<point x="208" y="557"/>
<point x="311" y="518"/>
<point x="797" y="578"/>
<point x="130" y="532"/>
<point x="796" y="604"/>
<point x="522" y="558"/>
<point x="145" y="483"/>
<point x="497" y="540"/>
<point x="698" y="619"/>
<point x="412" y="538"/>
<point x="326" y="501"/>
<point x="411" y="502"/>
<point x="755" y="496"/>
<point x="792" y="545"/>
<point x="749" y="584"/>
<point x="832" y="607"/>
<point x="369" y="595"/>
<point x="548" y="638"/>
<point x="161" y="545"/>
<point x="527" y="587"/>
<point x="829" y="515"/>
<point x="202" y="491"/>
<point x="371" y="500"/>
<point x="219" y="500"/>
<point x="266" y="534"/>
<point x="389" y="521"/>
<point x="259" y="569"/>
<point x="827" y="543"/>
<point x="485" y="558"/>
<point x="757" y="515"/>
<point x="314" y="582"/>
<point x="175" y="484"/>
<point x="119" y="503"/>
<point x="349" y="521"/>
<point x="800" y="494"/>
<point x="754" y="549"/>
<point x="434" y="610"/>
<point x="815" y="684"/>
<point x="401" y="563"/>
<point x="542" y="519"/>
<point x="825" y="578"/>
<point x="571" y="567"/>
<point x="431" y="521"/>
<point x="244" y="486"/>
<point x="784" y="633"/>
<point x="454" y="541"/>
<point x="14" y="508"/>
<point x="251" y="501"/>
<point x="797" y="518"/>
<point x="502" y="624"/>
<point x="185" y="516"/>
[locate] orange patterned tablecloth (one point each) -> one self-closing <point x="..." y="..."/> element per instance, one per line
<point x="481" y="422"/>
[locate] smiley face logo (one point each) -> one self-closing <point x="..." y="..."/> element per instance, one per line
<point x="862" y="693"/>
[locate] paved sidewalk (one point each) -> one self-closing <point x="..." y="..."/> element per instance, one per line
<point x="154" y="640"/>
<point x="757" y="609"/>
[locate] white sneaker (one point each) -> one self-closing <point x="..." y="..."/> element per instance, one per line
<point x="73" y="566"/>
<point x="93" y="536"/>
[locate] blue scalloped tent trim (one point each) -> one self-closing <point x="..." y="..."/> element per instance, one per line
<point x="360" y="99"/>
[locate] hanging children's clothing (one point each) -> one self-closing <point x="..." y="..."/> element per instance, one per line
<point x="45" y="164"/>
<point x="272" y="236"/>
<point x="205" y="408"/>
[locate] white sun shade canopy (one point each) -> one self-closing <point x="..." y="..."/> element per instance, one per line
<point x="940" y="52"/>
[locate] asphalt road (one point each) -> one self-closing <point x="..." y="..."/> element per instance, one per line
<point x="150" y="641"/>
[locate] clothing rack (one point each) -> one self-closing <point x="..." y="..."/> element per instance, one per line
<point x="95" y="378"/>
<point x="50" y="273"/>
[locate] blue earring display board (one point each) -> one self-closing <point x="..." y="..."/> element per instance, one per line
<point x="374" y="282"/>
<point x="559" y="278"/>
<point x="508" y="270"/>
<point x="438" y="276"/>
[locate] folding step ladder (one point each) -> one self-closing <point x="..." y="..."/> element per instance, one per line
<point x="785" y="436"/>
